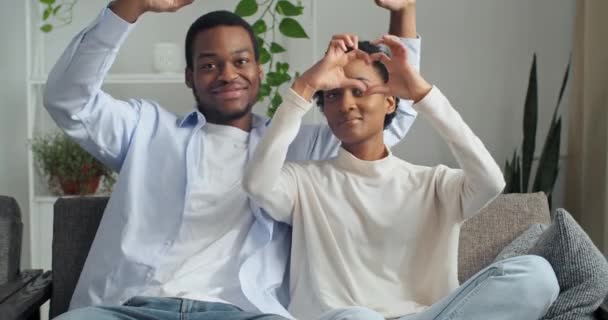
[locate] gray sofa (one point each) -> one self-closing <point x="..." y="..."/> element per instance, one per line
<point x="482" y="237"/>
<point x="22" y="292"/>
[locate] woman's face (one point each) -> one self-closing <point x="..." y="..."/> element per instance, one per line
<point x="352" y="116"/>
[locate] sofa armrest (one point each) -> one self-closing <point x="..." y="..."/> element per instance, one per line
<point x="24" y="296"/>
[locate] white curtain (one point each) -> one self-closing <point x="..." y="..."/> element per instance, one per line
<point x="587" y="172"/>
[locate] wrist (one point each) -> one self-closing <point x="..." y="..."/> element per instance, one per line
<point x="421" y="90"/>
<point x="304" y="88"/>
<point x="129" y="11"/>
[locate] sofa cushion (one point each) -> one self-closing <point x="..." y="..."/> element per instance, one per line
<point x="522" y="244"/>
<point x="483" y="236"/>
<point x="581" y="269"/>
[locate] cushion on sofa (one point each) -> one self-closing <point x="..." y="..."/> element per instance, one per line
<point x="581" y="269"/>
<point x="522" y="244"/>
<point x="483" y="236"/>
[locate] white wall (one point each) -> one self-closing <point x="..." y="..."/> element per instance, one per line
<point x="477" y="51"/>
<point x="13" y="148"/>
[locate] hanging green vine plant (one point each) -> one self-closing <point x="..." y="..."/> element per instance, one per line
<point x="56" y="13"/>
<point x="276" y="16"/>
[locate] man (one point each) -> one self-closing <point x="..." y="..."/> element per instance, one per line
<point x="179" y="235"/>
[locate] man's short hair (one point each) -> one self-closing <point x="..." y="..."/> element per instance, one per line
<point x="215" y="19"/>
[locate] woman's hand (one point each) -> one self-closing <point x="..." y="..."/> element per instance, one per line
<point x="404" y="81"/>
<point x="328" y="73"/>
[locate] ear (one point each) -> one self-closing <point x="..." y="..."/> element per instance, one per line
<point x="260" y="72"/>
<point x="189" y="76"/>
<point x="391" y="104"/>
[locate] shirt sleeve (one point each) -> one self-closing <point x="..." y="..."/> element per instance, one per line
<point x="270" y="182"/>
<point x="317" y="142"/>
<point x="480" y="179"/>
<point x="73" y="97"/>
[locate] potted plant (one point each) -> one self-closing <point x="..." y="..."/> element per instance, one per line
<point x="67" y="166"/>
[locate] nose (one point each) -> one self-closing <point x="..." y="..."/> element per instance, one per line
<point x="348" y="102"/>
<point x="228" y="73"/>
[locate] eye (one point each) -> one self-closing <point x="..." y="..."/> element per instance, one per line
<point x="357" y="93"/>
<point x="331" y="95"/>
<point x="242" y="62"/>
<point x="206" y="66"/>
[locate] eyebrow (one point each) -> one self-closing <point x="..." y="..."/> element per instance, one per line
<point x="211" y="54"/>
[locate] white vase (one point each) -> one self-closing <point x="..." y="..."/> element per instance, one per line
<point x="167" y="58"/>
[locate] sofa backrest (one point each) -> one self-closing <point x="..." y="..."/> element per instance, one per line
<point x="11" y="233"/>
<point x="481" y="239"/>
<point x="498" y="224"/>
<point x="75" y="222"/>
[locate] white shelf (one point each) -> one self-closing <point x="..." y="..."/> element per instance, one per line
<point x="130" y="78"/>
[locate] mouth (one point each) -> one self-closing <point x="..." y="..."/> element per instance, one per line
<point x="350" y="121"/>
<point x="229" y="92"/>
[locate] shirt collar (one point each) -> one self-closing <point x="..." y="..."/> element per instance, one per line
<point x="195" y="117"/>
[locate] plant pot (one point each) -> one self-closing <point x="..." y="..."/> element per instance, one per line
<point x="87" y="183"/>
<point x="75" y="187"/>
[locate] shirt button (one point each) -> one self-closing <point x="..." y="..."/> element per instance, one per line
<point x="149" y="275"/>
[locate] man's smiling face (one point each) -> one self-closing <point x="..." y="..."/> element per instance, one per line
<point x="225" y="76"/>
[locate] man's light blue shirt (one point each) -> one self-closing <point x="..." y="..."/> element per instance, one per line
<point x="156" y="154"/>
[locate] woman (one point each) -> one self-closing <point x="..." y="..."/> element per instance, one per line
<point x="370" y="229"/>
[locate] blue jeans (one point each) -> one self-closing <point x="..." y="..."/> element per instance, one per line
<point x="521" y="288"/>
<point x="144" y="308"/>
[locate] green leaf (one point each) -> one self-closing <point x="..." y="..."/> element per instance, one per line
<point x="273" y="79"/>
<point x="287" y="8"/>
<point x="530" y="123"/>
<point x="49" y="2"/>
<point x="264" y="90"/>
<point x="512" y="174"/>
<point x="259" y="27"/>
<point x="276" y="48"/>
<point x="47" y="13"/>
<point x="46" y="28"/>
<point x="292" y="28"/>
<point x="56" y="10"/>
<point x="259" y="41"/>
<point x="276" y="79"/>
<point x="548" y="165"/>
<point x="561" y="92"/>
<point x="276" y="100"/>
<point x="246" y="8"/>
<point x="264" y="56"/>
<point x="282" y="67"/>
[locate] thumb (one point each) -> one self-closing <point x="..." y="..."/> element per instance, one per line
<point x="381" y="88"/>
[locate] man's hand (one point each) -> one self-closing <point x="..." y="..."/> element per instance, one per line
<point x="395" y="5"/>
<point x="404" y="81"/>
<point x="131" y="10"/>
<point x="328" y="73"/>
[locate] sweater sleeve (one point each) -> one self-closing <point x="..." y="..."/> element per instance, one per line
<point x="480" y="179"/>
<point x="270" y="182"/>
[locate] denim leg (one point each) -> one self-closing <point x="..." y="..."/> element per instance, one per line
<point x="520" y="288"/>
<point x="146" y="308"/>
<point x="118" y="313"/>
<point x="351" y="313"/>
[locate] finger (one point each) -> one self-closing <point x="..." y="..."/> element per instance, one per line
<point x="395" y="44"/>
<point x="183" y="3"/>
<point x="359" y="54"/>
<point x="380" y="56"/>
<point x="375" y="89"/>
<point x="354" y="83"/>
<point x="338" y="43"/>
<point x="349" y="39"/>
